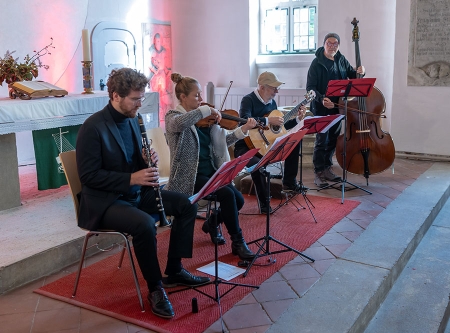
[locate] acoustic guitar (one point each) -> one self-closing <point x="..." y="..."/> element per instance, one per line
<point x="263" y="139"/>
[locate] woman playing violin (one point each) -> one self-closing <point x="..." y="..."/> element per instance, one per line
<point x="197" y="152"/>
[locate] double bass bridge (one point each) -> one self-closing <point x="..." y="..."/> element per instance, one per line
<point x="363" y="131"/>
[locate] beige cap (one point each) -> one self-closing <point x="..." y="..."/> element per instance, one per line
<point x="269" y="79"/>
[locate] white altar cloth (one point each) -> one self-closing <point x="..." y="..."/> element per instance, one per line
<point x="18" y="115"/>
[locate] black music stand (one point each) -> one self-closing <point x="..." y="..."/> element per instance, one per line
<point x="280" y="149"/>
<point x="313" y="125"/>
<point x="222" y="177"/>
<point x="345" y="88"/>
<point x="290" y="196"/>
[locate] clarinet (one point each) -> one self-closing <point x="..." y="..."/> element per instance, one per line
<point x="163" y="222"/>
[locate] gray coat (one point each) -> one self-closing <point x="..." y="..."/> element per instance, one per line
<point x="185" y="147"/>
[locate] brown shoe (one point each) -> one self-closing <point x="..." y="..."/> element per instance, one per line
<point x="319" y="180"/>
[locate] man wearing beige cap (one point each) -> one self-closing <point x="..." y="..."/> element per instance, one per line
<point x="258" y="104"/>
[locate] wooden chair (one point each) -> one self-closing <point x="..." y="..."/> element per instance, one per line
<point x="159" y="144"/>
<point x="69" y="164"/>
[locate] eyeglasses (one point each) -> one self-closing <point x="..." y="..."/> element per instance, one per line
<point x="335" y="44"/>
<point x="273" y="88"/>
<point x="138" y="100"/>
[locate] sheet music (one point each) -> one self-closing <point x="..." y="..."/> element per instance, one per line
<point x="230" y="168"/>
<point x="193" y="197"/>
<point x="301" y="124"/>
<point x="334" y="121"/>
<point x="225" y="271"/>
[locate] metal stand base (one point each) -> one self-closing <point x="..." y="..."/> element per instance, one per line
<point x="290" y="197"/>
<point x="340" y="185"/>
<point x="344" y="181"/>
<point x="217" y="281"/>
<point x="264" y="247"/>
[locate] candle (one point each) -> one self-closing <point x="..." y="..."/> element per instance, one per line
<point x="86" y="45"/>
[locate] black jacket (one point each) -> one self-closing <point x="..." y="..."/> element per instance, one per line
<point x="318" y="80"/>
<point x="101" y="159"/>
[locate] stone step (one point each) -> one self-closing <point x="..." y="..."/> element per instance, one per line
<point x="40" y="237"/>
<point x="419" y="300"/>
<point x="352" y="290"/>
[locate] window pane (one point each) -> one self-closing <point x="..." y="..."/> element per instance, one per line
<point x="311" y="28"/>
<point x="275" y="30"/>
<point x="312" y="13"/>
<point x="312" y="43"/>
<point x="304" y="28"/>
<point x="304" y="15"/>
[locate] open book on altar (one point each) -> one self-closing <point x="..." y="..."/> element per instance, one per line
<point x="32" y="89"/>
<point x="317" y="124"/>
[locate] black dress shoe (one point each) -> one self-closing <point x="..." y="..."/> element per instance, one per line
<point x="160" y="303"/>
<point x="184" y="278"/>
<point x="264" y="210"/>
<point x="294" y="187"/>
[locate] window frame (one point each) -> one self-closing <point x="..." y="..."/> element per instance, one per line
<point x="289" y="6"/>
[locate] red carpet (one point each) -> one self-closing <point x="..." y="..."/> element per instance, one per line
<point x="105" y="289"/>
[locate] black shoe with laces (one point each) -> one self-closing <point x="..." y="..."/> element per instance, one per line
<point x="160" y="304"/>
<point x="184" y="278"/>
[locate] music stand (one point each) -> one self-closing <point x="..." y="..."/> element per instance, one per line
<point x="280" y="149"/>
<point x="222" y="177"/>
<point x="313" y="125"/>
<point x="345" y="88"/>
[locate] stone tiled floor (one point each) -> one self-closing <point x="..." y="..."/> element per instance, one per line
<point x="23" y="311"/>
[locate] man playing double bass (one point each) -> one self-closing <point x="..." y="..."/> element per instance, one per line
<point x="329" y="64"/>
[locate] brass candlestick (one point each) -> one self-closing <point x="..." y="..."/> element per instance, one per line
<point x="87" y="77"/>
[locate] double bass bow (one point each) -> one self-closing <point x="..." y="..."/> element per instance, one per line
<point x="369" y="150"/>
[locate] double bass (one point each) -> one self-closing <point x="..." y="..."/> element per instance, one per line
<point x="369" y="150"/>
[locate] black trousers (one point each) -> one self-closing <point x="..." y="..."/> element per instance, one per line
<point x="290" y="171"/>
<point x="324" y="148"/>
<point x="132" y="216"/>
<point x="231" y="202"/>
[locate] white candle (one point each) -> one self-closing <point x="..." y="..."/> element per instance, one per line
<point x="86" y="45"/>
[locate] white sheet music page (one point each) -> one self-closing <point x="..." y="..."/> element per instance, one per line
<point x="337" y="117"/>
<point x="332" y="118"/>
<point x="224" y="271"/>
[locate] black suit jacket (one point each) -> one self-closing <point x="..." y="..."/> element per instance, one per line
<point x="101" y="159"/>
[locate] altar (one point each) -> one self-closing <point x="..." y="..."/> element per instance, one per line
<point x="51" y="112"/>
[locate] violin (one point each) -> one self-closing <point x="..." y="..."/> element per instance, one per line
<point x="208" y="121"/>
<point x="230" y="119"/>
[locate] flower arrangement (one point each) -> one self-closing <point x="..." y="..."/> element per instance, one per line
<point x="11" y="70"/>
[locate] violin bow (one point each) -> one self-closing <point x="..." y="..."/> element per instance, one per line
<point x="226" y="94"/>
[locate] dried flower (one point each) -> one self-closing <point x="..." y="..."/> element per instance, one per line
<point x="11" y="70"/>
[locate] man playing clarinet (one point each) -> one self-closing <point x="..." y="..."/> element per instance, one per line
<point x="118" y="189"/>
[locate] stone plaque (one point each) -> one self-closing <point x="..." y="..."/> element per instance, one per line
<point x="429" y="43"/>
